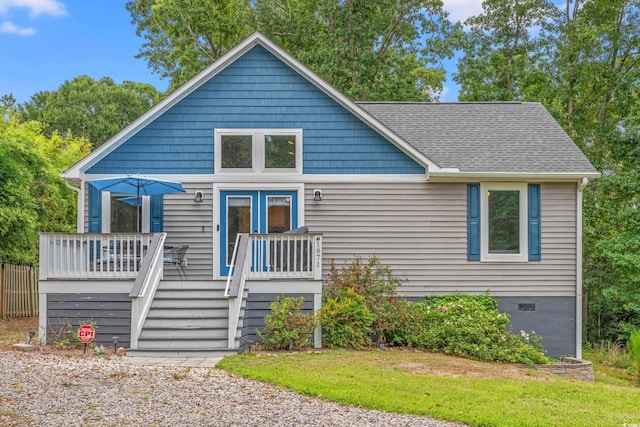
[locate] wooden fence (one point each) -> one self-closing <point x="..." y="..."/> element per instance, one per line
<point x="18" y="291"/>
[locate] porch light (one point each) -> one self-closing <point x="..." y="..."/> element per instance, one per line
<point x="317" y="195"/>
<point x="199" y="196"/>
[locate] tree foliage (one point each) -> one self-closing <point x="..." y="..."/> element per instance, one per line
<point x="33" y="198"/>
<point x="90" y="109"/>
<point x="382" y="50"/>
<point x="581" y="59"/>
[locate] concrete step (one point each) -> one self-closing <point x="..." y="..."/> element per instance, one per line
<point x="190" y="333"/>
<point x="182" y="345"/>
<point x="164" y="353"/>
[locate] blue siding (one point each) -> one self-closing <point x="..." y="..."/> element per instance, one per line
<point x="257" y="91"/>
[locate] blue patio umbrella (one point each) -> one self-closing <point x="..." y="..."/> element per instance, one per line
<point x="133" y="201"/>
<point x="139" y="185"/>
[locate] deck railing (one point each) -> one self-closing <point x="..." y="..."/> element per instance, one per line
<point x="92" y="255"/>
<point x="282" y="256"/>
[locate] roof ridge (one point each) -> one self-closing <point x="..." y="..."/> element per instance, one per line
<point x="447" y="103"/>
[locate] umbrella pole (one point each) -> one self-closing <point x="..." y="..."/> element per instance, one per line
<point x="138" y="203"/>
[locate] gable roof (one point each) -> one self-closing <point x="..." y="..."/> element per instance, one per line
<point x="490" y="138"/>
<point x="451" y="140"/>
<point x="76" y="171"/>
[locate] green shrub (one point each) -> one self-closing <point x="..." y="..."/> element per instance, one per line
<point x="471" y="326"/>
<point x="371" y="280"/>
<point x="287" y="327"/>
<point x="400" y="322"/>
<point x="346" y="320"/>
<point x="634" y="345"/>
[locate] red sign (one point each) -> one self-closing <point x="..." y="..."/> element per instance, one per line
<point x="86" y="333"/>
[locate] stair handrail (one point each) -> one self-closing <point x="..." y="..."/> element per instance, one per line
<point x="238" y="277"/>
<point x="145" y="286"/>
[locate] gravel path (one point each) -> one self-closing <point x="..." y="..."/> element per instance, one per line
<point x="54" y="390"/>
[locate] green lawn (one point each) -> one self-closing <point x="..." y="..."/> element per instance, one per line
<point x="385" y="381"/>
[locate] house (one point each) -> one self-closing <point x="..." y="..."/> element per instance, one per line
<point x="454" y="197"/>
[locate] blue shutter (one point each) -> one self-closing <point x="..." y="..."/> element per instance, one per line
<point x="473" y="222"/>
<point x="156" y="214"/>
<point x="534" y="222"/>
<point x="95" y="210"/>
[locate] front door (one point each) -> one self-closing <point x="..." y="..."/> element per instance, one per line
<point x="253" y="212"/>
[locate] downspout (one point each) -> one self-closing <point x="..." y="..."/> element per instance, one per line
<point x="581" y="185"/>
<point x="80" y="209"/>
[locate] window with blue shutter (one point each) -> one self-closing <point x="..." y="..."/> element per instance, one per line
<point x="503" y="222"/>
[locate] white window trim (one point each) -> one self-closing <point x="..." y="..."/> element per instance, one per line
<point x="258" y="150"/>
<point x="485" y="256"/>
<point x="217" y="215"/>
<point x="106" y="213"/>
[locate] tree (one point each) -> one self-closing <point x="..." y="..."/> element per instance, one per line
<point x="86" y="108"/>
<point x="182" y="37"/>
<point x="33" y="197"/>
<point x="382" y="50"/>
<point x="498" y="63"/>
<point x="584" y="66"/>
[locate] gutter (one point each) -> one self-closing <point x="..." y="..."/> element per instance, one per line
<point x="453" y="175"/>
<point x="580" y="187"/>
<point x="80" y="210"/>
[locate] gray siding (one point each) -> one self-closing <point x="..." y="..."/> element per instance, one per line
<point x="186" y="223"/>
<point x="420" y="231"/>
<point x="189" y="223"/>
<point x="110" y="312"/>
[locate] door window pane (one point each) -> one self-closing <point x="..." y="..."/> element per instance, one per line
<point x="236" y="151"/>
<point x="238" y="221"/>
<point x="278" y="214"/>
<point x="280" y="151"/>
<point x="123" y="215"/>
<point x="504" y="222"/>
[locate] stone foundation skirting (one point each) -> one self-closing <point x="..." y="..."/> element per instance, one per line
<point x="570" y="367"/>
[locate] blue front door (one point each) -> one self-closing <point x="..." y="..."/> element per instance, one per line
<point x="253" y="212"/>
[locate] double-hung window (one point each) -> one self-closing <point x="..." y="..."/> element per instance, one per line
<point x="503" y="222"/>
<point x="262" y="150"/>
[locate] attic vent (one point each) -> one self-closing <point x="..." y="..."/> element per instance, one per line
<point x="526" y="307"/>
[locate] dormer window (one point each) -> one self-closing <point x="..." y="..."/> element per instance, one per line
<point x="268" y="150"/>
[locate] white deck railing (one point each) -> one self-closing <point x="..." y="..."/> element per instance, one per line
<point x="284" y="256"/>
<point x="145" y="286"/>
<point x="91" y="255"/>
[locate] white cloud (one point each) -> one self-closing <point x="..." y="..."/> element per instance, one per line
<point x="36" y="7"/>
<point x="10" y="27"/>
<point x="460" y="10"/>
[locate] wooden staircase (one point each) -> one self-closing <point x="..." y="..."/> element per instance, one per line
<point x="186" y="319"/>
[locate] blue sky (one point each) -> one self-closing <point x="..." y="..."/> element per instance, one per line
<point x="43" y="43"/>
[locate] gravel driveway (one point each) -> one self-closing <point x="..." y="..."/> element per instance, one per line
<point x="56" y="390"/>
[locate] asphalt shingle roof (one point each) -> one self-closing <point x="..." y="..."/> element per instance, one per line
<point x="484" y="137"/>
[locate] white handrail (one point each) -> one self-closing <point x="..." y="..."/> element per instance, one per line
<point x="232" y="266"/>
<point x="145" y="286"/>
<point x="236" y="289"/>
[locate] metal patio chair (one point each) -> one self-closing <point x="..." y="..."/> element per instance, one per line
<point x="175" y="255"/>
